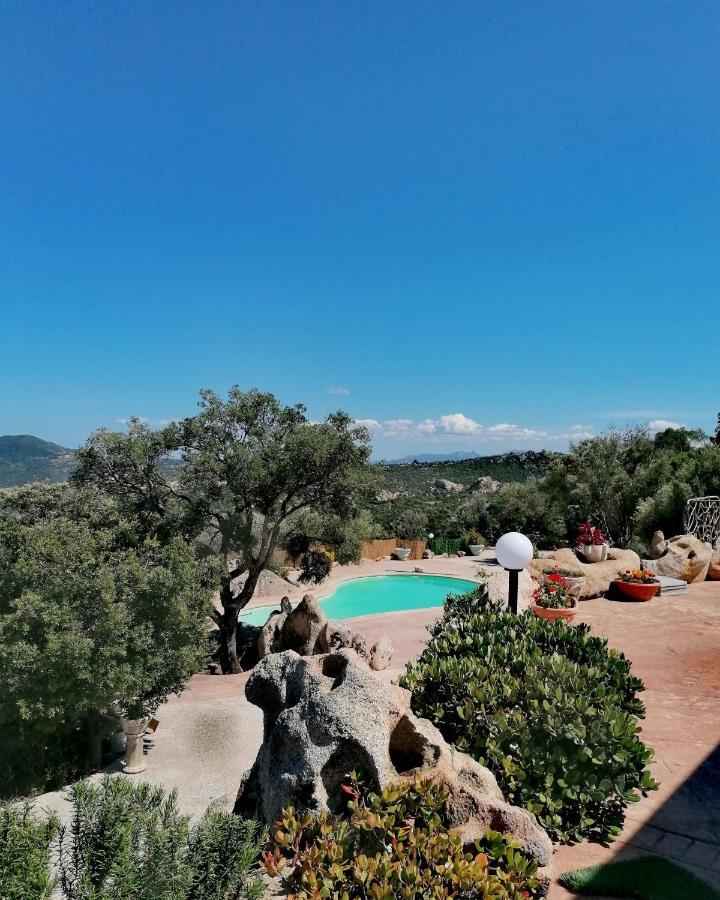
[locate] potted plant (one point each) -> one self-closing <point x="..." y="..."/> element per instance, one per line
<point x="573" y="577"/>
<point x="402" y="553"/>
<point x="475" y="542"/>
<point x="552" y="600"/>
<point x="638" y="584"/>
<point x="592" y="542"/>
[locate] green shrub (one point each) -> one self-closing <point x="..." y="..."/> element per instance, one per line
<point x="315" y="566"/>
<point x="548" y="707"/>
<point x="25" y="855"/>
<point x="130" y="841"/>
<point x="395" y="844"/>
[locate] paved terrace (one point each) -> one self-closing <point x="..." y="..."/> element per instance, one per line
<point x="210" y="734"/>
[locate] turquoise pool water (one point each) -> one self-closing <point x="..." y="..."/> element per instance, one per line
<point x="379" y="593"/>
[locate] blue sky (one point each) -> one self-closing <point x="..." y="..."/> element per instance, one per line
<point x="480" y="225"/>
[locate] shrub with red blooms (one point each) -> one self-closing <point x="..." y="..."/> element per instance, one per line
<point x="553" y="593"/>
<point x="394" y="844"/>
<point x="590" y="534"/>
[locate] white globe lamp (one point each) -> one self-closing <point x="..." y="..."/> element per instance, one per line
<point x="514" y="551"/>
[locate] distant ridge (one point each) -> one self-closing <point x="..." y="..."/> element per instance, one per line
<point x="25" y="458"/>
<point x="433" y="457"/>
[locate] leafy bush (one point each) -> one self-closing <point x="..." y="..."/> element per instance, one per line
<point x="394" y="844"/>
<point x="548" y="707"/>
<point x="86" y="626"/>
<point x="130" y="842"/>
<point x="25" y="855"/>
<point x="315" y="566"/>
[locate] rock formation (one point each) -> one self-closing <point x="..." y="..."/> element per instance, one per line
<point x="307" y="630"/>
<point x="327" y="715"/>
<point x="485" y="485"/>
<point x="685" y="557"/>
<point x="445" y="486"/>
<point x="598" y="576"/>
<point x="714" y="567"/>
<point x="658" y="545"/>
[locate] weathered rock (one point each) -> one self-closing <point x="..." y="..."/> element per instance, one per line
<point x="686" y="558"/>
<point x="714" y="568"/>
<point x="269" y="639"/>
<point x="337" y="635"/>
<point x="381" y="653"/>
<point x="303" y="626"/>
<point x="326" y="715"/>
<point x="598" y="576"/>
<point x="269" y="584"/>
<point x="485" y="485"/>
<point x="307" y="630"/>
<point x="658" y="545"/>
<point x="445" y="486"/>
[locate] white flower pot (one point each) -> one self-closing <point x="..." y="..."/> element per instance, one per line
<point x="134" y="761"/>
<point x="476" y="549"/>
<point x="402" y="553"/>
<point x="594" y="552"/>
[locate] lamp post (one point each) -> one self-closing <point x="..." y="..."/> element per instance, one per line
<point x="513" y="551"/>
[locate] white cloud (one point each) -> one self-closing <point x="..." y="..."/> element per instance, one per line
<point x="581" y="428"/>
<point x="457" y="423"/>
<point x="661" y="424"/>
<point x="458" y="428"/>
<point x="339" y="391"/>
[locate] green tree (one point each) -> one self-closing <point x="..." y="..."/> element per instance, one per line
<point x="247" y="466"/>
<point x="88" y="627"/>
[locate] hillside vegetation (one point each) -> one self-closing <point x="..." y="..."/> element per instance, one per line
<point x="419" y="477"/>
<point x="25" y="458"/>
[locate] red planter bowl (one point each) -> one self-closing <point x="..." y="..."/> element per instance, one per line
<point x="637" y="591"/>
<point x="567" y="615"/>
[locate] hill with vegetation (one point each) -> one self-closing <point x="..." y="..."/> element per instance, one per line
<point x="25" y="458"/>
<point x="418" y="477"/>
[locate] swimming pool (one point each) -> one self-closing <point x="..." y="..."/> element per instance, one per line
<point x="377" y="594"/>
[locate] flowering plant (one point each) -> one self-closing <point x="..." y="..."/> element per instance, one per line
<point x="638" y="576"/>
<point x="553" y="593"/>
<point x="564" y="573"/>
<point x="589" y="534"/>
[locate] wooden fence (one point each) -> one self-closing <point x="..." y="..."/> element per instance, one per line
<point x="386" y="547"/>
<point x="370" y="550"/>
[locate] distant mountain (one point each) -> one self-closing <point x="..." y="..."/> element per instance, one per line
<point x="433" y="457"/>
<point x="25" y="458"/>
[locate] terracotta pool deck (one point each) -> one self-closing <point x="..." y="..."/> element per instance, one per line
<point x="210" y="734"/>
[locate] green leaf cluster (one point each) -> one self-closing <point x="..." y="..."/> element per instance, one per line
<point x="397" y="843"/>
<point x="128" y="841"/>
<point x="25" y="846"/>
<point x="548" y="707"/>
<point x="88" y="625"/>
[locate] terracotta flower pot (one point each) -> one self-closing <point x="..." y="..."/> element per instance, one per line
<point x="594" y="552"/>
<point x="567" y="615"/>
<point x="637" y="591"/>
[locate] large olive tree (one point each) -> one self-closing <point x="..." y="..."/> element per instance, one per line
<point x="232" y="476"/>
<point x="92" y="620"/>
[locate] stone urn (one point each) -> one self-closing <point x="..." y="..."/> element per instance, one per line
<point x="402" y="553"/>
<point x="594" y="553"/>
<point x="134" y="761"/>
<point x="476" y="549"/>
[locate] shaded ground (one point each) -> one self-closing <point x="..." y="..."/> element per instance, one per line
<point x="209" y="735"/>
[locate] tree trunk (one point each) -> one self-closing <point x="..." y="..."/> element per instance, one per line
<point x="228" y="619"/>
<point x="228" y="622"/>
<point x="94" y="736"/>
